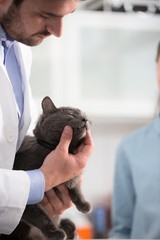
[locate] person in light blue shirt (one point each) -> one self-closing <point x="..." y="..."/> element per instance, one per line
<point x="28" y="23"/>
<point x="136" y="194"/>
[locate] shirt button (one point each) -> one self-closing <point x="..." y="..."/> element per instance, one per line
<point x="10" y="137"/>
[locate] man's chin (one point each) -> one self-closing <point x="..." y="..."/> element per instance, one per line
<point x="31" y="41"/>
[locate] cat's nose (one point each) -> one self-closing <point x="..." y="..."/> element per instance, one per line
<point x="84" y="119"/>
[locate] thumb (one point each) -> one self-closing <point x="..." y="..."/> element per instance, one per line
<point x="66" y="138"/>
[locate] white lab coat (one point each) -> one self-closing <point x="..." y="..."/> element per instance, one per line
<point x="14" y="185"/>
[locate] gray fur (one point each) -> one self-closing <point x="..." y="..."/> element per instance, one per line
<point x="35" y="224"/>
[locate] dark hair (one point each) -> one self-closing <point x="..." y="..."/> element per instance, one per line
<point x="18" y="2"/>
<point x="158" y="52"/>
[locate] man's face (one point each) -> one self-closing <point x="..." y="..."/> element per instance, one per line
<point x="4" y="6"/>
<point x="35" y="20"/>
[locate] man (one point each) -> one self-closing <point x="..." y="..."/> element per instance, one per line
<point x="30" y="22"/>
<point x="136" y="196"/>
<point x="4" y="6"/>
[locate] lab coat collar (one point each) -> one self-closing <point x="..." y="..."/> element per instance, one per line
<point x="4" y="37"/>
<point x="20" y="51"/>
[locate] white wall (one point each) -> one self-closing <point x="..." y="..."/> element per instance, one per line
<point x="56" y="72"/>
<point x="98" y="177"/>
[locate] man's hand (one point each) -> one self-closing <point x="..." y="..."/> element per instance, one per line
<point x="60" y="166"/>
<point x="56" y="202"/>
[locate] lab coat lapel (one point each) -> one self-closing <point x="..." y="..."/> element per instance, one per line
<point x="23" y="55"/>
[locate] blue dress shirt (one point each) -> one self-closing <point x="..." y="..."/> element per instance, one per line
<point x="136" y="194"/>
<point x="37" y="181"/>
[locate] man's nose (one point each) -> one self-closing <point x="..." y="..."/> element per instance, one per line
<point x="54" y="26"/>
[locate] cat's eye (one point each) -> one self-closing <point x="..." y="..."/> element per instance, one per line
<point x="71" y="115"/>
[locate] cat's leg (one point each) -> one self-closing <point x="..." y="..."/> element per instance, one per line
<point x="78" y="199"/>
<point x="37" y="217"/>
<point x="69" y="227"/>
<point x="24" y="231"/>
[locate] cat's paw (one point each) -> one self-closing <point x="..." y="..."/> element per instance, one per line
<point x="35" y="234"/>
<point x="69" y="227"/>
<point x="58" y="235"/>
<point x="84" y="207"/>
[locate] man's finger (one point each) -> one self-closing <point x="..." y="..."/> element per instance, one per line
<point x="87" y="146"/>
<point x="88" y="140"/>
<point x="66" y="138"/>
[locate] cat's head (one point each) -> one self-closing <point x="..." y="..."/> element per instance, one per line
<point x="53" y="120"/>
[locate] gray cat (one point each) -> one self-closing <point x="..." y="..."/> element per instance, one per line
<point x="35" y="224"/>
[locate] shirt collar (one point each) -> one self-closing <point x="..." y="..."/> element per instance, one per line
<point x="4" y="37"/>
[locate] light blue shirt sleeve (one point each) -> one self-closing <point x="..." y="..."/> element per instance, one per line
<point x="37" y="186"/>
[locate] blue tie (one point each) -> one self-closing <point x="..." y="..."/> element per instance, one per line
<point x="14" y="73"/>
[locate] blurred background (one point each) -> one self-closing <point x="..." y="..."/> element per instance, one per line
<point x="104" y="64"/>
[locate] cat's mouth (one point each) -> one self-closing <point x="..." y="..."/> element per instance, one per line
<point x="84" y="126"/>
<point x="83" y="129"/>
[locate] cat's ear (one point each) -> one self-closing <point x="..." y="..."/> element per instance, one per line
<point x="48" y="106"/>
